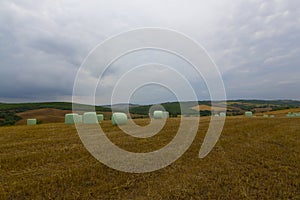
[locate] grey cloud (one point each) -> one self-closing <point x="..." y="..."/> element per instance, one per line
<point x="254" y="43"/>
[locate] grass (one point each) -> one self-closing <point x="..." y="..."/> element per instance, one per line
<point x="255" y="158"/>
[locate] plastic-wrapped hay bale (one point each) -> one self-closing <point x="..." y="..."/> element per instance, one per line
<point x="31" y="121"/>
<point x="158" y="114"/>
<point x="272" y="116"/>
<point x="248" y="114"/>
<point x="223" y="114"/>
<point x="70" y="118"/>
<point x="90" y="118"/>
<point x="217" y="115"/>
<point x="100" y="117"/>
<point x="78" y="119"/>
<point x="266" y="116"/>
<point x="165" y="114"/>
<point x="119" y="118"/>
<point x="297" y="114"/>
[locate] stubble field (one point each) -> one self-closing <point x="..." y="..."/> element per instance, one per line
<point x="255" y="158"/>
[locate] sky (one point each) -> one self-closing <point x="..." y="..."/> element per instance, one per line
<point x="254" y="43"/>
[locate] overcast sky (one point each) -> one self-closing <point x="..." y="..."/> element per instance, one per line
<point x="255" y="44"/>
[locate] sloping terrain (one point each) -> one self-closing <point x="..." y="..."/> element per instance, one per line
<point x="255" y="158"/>
<point x="49" y="115"/>
<point x="10" y="113"/>
<point x="206" y="107"/>
<point x="46" y="115"/>
<point x="282" y="113"/>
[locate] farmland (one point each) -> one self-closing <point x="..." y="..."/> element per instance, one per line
<point x="17" y="113"/>
<point x="255" y="158"/>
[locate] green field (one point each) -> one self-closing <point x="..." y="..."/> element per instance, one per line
<point x="255" y="158"/>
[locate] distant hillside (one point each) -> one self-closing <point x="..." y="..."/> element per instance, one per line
<point x="259" y="106"/>
<point x="234" y="107"/>
<point x="21" y="107"/>
<point x="44" y="115"/>
<point x="9" y="113"/>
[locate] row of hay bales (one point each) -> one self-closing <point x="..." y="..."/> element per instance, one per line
<point x="266" y="116"/>
<point x="117" y="118"/>
<point x="86" y="118"/>
<point x="221" y="114"/>
<point x="292" y="115"/>
<point x="289" y="115"/>
<point x="250" y="114"/>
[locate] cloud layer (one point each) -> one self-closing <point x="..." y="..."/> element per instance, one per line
<point x="255" y="44"/>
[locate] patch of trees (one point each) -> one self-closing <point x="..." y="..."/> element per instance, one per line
<point x="8" y="118"/>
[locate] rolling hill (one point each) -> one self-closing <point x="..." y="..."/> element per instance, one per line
<point x="11" y="114"/>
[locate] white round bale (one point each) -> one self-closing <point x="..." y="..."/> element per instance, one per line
<point x="90" y="118"/>
<point x="31" y="121"/>
<point x="78" y="119"/>
<point x="165" y="114"/>
<point x="223" y="114"/>
<point x="100" y="117"/>
<point x="158" y="114"/>
<point x="70" y="118"/>
<point x="248" y="114"/>
<point x="119" y="118"/>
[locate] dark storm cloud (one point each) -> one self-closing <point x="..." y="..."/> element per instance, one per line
<point x="256" y="44"/>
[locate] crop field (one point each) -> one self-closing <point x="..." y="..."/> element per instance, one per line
<point x="44" y="115"/>
<point x="255" y="158"/>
